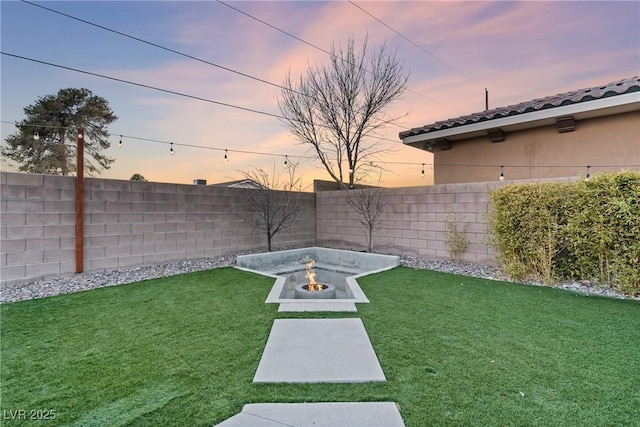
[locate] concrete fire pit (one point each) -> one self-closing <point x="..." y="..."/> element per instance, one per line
<point x="327" y="292"/>
<point x="336" y="267"/>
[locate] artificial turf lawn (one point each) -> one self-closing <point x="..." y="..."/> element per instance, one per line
<point x="182" y="351"/>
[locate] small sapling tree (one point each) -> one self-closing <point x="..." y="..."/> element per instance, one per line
<point x="367" y="202"/>
<point x="273" y="204"/>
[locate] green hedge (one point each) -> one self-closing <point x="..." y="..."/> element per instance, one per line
<point x="587" y="230"/>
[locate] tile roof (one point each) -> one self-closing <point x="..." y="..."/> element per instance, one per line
<point x="620" y="87"/>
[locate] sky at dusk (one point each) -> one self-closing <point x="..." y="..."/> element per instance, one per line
<point x="518" y="50"/>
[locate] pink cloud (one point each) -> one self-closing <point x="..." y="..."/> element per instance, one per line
<point x="520" y="51"/>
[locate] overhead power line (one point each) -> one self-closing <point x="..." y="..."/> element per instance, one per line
<point x="102" y="27"/>
<point x="274" y="27"/>
<point x="317" y="47"/>
<point x="409" y="40"/>
<point x="209" y="62"/>
<point x="172" y="92"/>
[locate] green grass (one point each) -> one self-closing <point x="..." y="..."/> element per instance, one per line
<point x="456" y="351"/>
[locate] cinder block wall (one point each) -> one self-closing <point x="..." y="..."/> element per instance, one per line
<point x="413" y="221"/>
<point x="138" y="223"/>
<point x="126" y="224"/>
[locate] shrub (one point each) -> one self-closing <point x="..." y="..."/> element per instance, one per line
<point x="527" y="223"/>
<point x="584" y="229"/>
<point x="605" y="232"/>
<point x="457" y="241"/>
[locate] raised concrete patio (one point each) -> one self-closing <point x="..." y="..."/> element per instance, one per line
<point x="318" y="351"/>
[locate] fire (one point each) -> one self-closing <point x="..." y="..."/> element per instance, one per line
<point x="311" y="275"/>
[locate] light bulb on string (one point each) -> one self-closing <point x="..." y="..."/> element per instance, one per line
<point x="120" y="142"/>
<point x="422" y="173"/>
<point x="36" y="136"/>
<point x="501" y="173"/>
<point x="286" y="162"/>
<point x="588" y="175"/>
<point x="171" y="149"/>
<point x="226" y="158"/>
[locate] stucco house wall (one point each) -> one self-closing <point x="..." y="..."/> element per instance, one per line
<point x="612" y="141"/>
<point x="551" y="137"/>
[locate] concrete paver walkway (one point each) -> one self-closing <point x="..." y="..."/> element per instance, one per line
<point x="318" y="350"/>
<point x="317" y="306"/>
<point x="339" y="414"/>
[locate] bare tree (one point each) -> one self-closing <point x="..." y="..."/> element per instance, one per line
<point x="338" y="108"/>
<point x="273" y="205"/>
<point x="368" y="204"/>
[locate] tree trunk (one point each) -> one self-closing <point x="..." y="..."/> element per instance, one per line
<point x="64" y="154"/>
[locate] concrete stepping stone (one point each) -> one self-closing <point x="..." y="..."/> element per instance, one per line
<point x="317" y="306"/>
<point x="318" y="351"/>
<point x="339" y="414"/>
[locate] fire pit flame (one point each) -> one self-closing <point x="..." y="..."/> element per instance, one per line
<point x="311" y="275"/>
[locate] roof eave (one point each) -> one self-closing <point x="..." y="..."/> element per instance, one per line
<point x="582" y="110"/>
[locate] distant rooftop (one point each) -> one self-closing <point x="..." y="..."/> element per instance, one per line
<point x="620" y="87"/>
<point x="241" y="183"/>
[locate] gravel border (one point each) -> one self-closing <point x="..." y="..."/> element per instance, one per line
<point x="87" y="281"/>
<point x="93" y="280"/>
<point x="494" y="273"/>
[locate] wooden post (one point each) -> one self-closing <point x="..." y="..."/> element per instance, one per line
<point x="80" y="202"/>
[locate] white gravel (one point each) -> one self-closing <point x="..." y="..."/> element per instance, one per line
<point x="87" y="281"/>
<point x="93" y="280"/>
<point x="493" y="273"/>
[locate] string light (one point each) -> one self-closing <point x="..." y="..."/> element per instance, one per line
<point x="501" y="173"/>
<point x="226" y="151"/>
<point x="171" y="149"/>
<point x="226" y="158"/>
<point x="422" y="173"/>
<point x="286" y="161"/>
<point x="120" y="142"/>
<point x="36" y="135"/>
<point x="588" y="175"/>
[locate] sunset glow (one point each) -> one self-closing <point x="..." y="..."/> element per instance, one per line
<point x="517" y="50"/>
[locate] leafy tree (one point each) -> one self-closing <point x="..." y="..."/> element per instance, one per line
<point x="274" y="205"/>
<point x="337" y="109"/>
<point x="46" y="140"/>
<point x="138" y="177"/>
